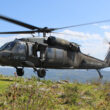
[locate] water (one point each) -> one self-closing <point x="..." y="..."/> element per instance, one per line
<point x="64" y="74"/>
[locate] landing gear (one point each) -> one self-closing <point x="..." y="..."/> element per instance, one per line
<point x="41" y="73"/>
<point x="100" y="75"/>
<point x="20" y="71"/>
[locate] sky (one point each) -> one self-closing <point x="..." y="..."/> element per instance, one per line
<point x="59" y="13"/>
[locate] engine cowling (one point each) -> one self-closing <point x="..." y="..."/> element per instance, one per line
<point x="61" y="43"/>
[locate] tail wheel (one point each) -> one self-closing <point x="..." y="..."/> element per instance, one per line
<point x="20" y="72"/>
<point x="41" y="73"/>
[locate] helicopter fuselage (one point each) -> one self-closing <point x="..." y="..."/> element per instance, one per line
<point x="21" y="55"/>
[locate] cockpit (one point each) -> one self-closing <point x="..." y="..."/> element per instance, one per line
<point x="7" y="46"/>
<point x="16" y="46"/>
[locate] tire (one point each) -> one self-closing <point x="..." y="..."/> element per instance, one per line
<point x="41" y="73"/>
<point x="20" y="72"/>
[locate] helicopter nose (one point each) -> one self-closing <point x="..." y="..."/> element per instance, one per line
<point x="1" y="55"/>
<point x="4" y="56"/>
<point x="1" y="58"/>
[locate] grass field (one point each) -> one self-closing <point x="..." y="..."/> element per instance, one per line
<point x="34" y="94"/>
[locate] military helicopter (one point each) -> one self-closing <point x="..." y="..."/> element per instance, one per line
<point x="46" y="52"/>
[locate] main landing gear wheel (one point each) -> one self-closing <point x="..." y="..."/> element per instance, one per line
<point x="20" y="71"/>
<point x="41" y="73"/>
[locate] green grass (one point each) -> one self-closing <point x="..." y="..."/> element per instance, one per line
<point x="34" y="94"/>
<point x="4" y="83"/>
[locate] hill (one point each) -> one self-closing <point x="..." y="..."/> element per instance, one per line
<point x="65" y="74"/>
<point x="33" y="94"/>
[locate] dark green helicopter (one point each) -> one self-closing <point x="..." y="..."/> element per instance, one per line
<point x="46" y="52"/>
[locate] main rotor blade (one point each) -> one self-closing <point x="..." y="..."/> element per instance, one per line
<point x="46" y="29"/>
<point x="18" y="22"/>
<point x="84" y="24"/>
<point x="19" y="32"/>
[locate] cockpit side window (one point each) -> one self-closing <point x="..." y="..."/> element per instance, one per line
<point x="20" y="48"/>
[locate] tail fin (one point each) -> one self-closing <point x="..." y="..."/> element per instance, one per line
<point x="107" y="58"/>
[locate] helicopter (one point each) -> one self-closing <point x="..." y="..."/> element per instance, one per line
<point x="42" y="53"/>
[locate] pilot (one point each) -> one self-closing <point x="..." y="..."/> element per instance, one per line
<point x="35" y="49"/>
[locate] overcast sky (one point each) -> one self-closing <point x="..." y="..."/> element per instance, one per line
<point x="59" y="13"/>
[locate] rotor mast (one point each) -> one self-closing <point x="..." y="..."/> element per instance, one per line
<point x="44" y="34"/>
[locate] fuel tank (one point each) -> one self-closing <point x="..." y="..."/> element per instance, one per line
<point x="59" y="57"/>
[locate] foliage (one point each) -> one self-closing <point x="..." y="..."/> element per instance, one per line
<point x="17" y="93"/>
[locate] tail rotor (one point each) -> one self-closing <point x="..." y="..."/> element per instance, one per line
<point x="107" y="58"/>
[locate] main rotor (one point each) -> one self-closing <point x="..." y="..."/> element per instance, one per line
<point x="44" y="30"/>
<point x="33" y="29"/>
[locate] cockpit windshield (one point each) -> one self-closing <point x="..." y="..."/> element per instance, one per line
<point x="7" y="46"/>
